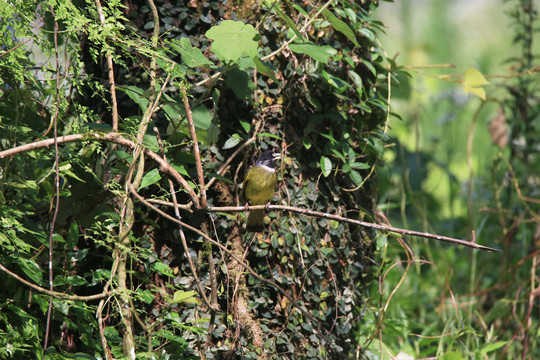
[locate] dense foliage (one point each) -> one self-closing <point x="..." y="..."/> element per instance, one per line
<point x="149" y="105"/>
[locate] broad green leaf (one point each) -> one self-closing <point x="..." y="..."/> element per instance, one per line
<point x="185" y="297"/>
<point x="239" y="82"/>
<point x="192" y="56"/>
<point x="32" y="270"/>
<point x="137" y="95"/>
<point x="472" y="80"/>
<point x="233" y="39"/>
<point x="201" y="117"/>
<point x="340" y="26"/>
<point x="145" y="295"/>
<point x="163" y="268"/>
<point x="326" y="166"/>
<point x="319" y="53"/>
<point x="356" y="177"/>
<point x="151" y="177"/>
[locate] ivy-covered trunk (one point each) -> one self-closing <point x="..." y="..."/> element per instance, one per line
<point x="157" y="111"/>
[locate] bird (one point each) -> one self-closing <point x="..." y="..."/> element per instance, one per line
<point x="259" y="187"/>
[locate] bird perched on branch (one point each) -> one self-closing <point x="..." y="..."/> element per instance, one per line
<point x="259" y="187"/>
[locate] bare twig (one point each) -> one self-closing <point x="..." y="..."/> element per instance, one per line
<point x="353" y="221"/>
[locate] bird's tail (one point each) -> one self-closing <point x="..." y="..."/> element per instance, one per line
<point x="255" y="222"/>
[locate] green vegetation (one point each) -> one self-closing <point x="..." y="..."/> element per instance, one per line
<point x="126" y="128"/>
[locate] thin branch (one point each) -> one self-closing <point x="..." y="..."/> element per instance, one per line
<point x="111" y="73"/>
<point x="196" y="150"/>
<point x="55" y="294"/>
<point x="181" y="231"/>
<point x="304" y="28"/>
<point x="236" y="258"/>
<point x="16" y="47"/>
<point x="112" y="137"/>
<point x="56" y="181"/>
<point x="308" y="212"/>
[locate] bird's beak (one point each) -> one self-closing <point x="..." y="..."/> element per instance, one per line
<point x="276" y="156"/>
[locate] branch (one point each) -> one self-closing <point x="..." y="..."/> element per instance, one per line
<point x="55" y="294"/>
<point x="236" y="258"/>
<point x="111" y="73"/>
<point x="112" y="137"/>
<point x="308" y="212"/>
<point x="196" y="150"/>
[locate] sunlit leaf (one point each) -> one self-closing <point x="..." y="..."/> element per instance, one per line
<point x="233" y="39"/>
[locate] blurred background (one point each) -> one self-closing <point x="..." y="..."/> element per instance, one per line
<point x="460" y="164"/>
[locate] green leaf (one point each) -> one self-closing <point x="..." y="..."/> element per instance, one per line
<point x="163" y="268"/>
<point x="232" y="141"/>
<point x="151" y="177"/>
<point x="233" y="39"/>
<point x="145" y="295"/>
<point x="192" y="56"/>
<point x="137" y="95"/>
<point x="239" y="82"/>
<point x="326" y="166"/>
<point x="356" y="177"/>
<point x="288" y="21"/>
<point x="32" y="270"/>
<point x="340" y="26"/>
<point x="185" y="297"/>
<point x="201" y="117"/>
<point x="265" y="69"/>
<point x="319" y="53"/>
<point x="486" y="348"/>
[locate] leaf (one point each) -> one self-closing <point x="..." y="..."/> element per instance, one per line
<point x="232" y="141"/>
<point x="319" y="53"/>
<point x="265" y="69"/>
<point x="192" y="56"/>
<point x="356" y="177"/>
<point x="233" y="39"/>
<point x="181" y="296"/>
<point x="151" y="177"/>
<point x="340" y="26"/>
<point x="201" y="117"/>
<point x="288" y="21"/>
<point x="472" y="80"/>
<point x="31" y="268"/>
<point x="326" y="166"/>
<point x="486" y="348"/>
<point x="137" y="95"/>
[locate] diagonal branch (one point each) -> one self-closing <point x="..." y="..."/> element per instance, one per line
<point x="309" y="212"/>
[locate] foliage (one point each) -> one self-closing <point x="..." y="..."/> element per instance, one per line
<point x="461" y="164"/>
<point x="171" y="82"/>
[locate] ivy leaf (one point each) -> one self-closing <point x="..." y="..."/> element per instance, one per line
<point x="319" y="53"/>
<point x="233" y="39"/>
<point x="472" y="81"/>
<point x="340" y="26"/>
